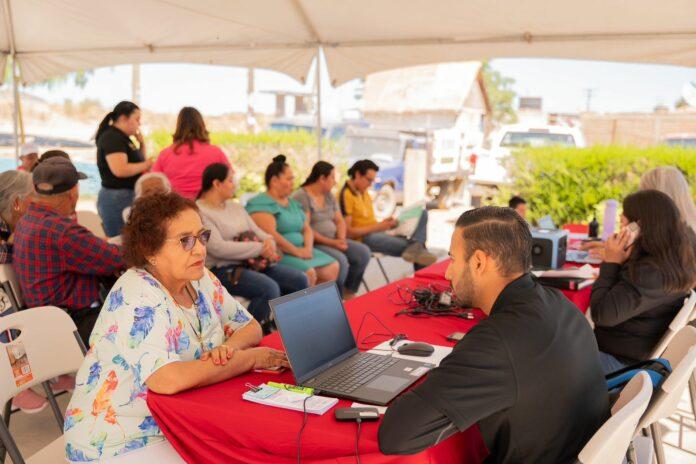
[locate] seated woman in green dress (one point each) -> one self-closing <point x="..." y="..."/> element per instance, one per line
<point x="282" y="217"/>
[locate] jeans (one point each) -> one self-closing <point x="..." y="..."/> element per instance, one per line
<point x="110" y="205"/>
<point x="260" y="287"/>
<point x="610" y="363"/>
<point x="352" y="262"/>
<point x="390" y="245"/>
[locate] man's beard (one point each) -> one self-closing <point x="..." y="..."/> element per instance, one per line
<point x="465" y="290"/>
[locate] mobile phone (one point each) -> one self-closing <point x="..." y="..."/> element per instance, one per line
<point x="633" y="230"/>
<point x="353" y="414"/>
<point x="271" y="370"/>
<point x="455" y="336"/>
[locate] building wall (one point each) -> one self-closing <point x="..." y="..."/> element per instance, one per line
<point x="638" y="129"/>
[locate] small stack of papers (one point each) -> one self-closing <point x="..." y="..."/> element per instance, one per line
<point x="285" y="399"/>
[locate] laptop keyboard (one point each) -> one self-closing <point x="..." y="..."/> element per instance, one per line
<point x="365" y="368"/>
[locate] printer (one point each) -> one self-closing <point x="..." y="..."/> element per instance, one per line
<point x="549" y="248"/>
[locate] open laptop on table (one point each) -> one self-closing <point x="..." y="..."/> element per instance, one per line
<point x="324" y="355"/>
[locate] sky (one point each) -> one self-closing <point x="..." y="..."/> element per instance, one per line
<point x="616" y="87"/>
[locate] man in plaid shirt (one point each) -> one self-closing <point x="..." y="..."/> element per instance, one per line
<point x="57" y="261"/>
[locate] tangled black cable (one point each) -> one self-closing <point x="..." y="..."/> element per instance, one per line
<point x="427" y="301"/>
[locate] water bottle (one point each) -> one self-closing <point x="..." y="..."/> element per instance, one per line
<point x="594" y="228"/>
<point x="609" y="224"/>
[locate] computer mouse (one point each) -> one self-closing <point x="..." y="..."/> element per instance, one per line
<point x="416" y="349"/>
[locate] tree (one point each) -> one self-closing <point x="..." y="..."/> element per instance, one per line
<point x="501" y="96"/>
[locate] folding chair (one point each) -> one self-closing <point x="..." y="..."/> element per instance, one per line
<point x="378" y="257"/>
<point x="53" y="347"/>
<point x="681" y="354"/>
<point x="610" y="444"/>
<point x="7" y="274"/>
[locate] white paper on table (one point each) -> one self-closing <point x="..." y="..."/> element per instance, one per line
<point x="435" y="357"/>
<point x="584" y="272"/>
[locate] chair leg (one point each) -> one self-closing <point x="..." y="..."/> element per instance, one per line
<point x="657" y="443"/>
<point x="9" y="445"/>
<point x="364" y="282"/>
<point x="692" y="392"/>
<point x="631" y="456"/>
<point x="384" y="272"/>
<point x="54" y="405"/>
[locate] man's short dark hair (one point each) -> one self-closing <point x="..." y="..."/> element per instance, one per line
<point x="501" y="233"/>
<point x="362" y="167"/>
<point x="516" y="201"/>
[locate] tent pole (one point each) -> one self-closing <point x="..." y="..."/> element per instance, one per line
<point x="15" y="107"/>
<point x="318" y="84"/>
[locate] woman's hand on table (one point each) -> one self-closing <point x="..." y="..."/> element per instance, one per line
<point x="265" y="358"/>
<point x="220" y="354"/>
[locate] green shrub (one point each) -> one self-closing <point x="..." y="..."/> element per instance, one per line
<point x="251" y="153"/>
<point x="569" y="184"/>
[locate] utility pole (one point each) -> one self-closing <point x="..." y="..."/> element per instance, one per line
<point x="250" y="119"/>
<point x="589" y="93"/>
<point x="135" y="84"/>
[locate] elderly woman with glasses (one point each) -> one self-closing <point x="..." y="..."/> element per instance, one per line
<point x="167" y="325"/>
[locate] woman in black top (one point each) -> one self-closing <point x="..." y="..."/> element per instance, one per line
<point x="120" y="163"/>
<point x="643" y="280"/>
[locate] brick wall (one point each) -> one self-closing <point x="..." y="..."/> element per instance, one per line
<point x="638" y="129"/>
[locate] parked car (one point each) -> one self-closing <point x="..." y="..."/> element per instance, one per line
<point x="488" y="170"/>
<point x="684" y="140"/>
<point x="447" y="164"/>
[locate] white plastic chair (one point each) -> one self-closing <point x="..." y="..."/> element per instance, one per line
<point x="53" y="347"/>
<point x="679" y="322"/>
<point x="7" y="274"/>
<point x="610" y="443"/>
<point x="159" y="453"/>
<point x="91" y="220"/>
<point x="681" y="354"/>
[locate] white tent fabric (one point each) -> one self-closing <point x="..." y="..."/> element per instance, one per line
<point x="359" y="37"/>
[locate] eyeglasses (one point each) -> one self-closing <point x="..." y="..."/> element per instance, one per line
<point x="189" y="241"/>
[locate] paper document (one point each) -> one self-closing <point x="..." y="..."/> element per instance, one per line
<point x="585" y="272"/>
<point x="435" y="358"/>
<point x="408" y="220"/>
<point x="278" y="398"/>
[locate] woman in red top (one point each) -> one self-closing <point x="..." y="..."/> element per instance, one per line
<point x="184" y="161"/>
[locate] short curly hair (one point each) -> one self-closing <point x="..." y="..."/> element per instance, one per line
<point x="146" y="230"/>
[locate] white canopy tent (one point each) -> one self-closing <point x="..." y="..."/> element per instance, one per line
<point x="48" y="38"/>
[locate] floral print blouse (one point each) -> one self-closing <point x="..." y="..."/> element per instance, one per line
<point x="140" y="329"/>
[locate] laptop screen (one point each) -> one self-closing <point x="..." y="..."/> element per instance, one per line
<point x="315" y="330"/>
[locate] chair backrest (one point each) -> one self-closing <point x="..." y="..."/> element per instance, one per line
<point x="7" y="274"/>
<point x="50" y="340"/>
<point x="681" y="354"/>
<point x="610" y="443"/>
<point x="91" y="220"/>
<point x="679" y="322"/>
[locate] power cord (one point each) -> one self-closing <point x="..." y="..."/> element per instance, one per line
<point x="357" y="441"/>
<point x="305" y="417"/>
<point x="396" y="337"/>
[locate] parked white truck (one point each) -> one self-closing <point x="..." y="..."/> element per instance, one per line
<point x="488" y="170"/>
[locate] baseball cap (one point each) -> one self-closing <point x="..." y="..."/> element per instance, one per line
<point x="28" y="149"/>
<point x="55" y="175"/>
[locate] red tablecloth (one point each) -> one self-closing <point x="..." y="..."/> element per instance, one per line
<point x="214" y="425"/>
<point x="436" y="273"/>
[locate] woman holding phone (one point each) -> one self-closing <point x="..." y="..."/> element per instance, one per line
<point x="120" y="163"/>
<point x="649" y="268"/>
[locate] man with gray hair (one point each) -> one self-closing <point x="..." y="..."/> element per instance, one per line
<point x="528" y="375"/>
<point x="57" y="261"/>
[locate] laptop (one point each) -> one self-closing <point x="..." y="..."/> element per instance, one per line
<point x="324" y="355"/>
